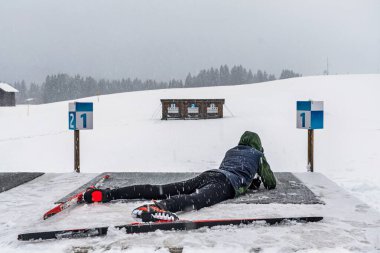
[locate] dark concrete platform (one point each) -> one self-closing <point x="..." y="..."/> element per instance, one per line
<point x="9" y="180"/>
<point x="289" y="190"/>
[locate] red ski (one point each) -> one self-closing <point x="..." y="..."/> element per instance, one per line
<point x="74" y="200"/>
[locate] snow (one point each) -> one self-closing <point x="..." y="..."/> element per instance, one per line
<point x="128" y="135"/>
<point x="349" y="224"/>
<point x="7" y="88"/>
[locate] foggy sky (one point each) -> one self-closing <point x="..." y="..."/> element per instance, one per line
<point x="163" y="39"/>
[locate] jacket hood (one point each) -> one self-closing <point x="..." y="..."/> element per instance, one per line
<point x="251" y="139"/>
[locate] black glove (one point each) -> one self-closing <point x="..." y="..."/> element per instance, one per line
<point x="255" y="185"/>
<point x="97" y="195"/>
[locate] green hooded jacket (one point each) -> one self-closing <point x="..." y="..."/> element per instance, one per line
<point x="267" y="177"/>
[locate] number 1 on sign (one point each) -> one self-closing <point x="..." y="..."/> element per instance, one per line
<point x="303" y="116"/>
<point x="84" y="117"/>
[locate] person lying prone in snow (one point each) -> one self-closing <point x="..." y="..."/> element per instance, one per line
<point x="243" y="167"/>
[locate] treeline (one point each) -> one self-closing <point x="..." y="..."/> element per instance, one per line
<point x="63" y="87"/>
<point x="225" y="76"/>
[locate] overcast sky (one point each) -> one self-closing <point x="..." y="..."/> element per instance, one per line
<point x="163" y="39"/>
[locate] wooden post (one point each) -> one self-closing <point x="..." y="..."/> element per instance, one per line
<point x="310" y="150"/>
<point x="76" y="151"/>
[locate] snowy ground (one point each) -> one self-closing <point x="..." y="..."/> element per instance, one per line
<point x="349" y="224"/>
<point x="128" y="135"/>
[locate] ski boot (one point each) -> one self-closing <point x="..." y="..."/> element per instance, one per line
<point x="154" y="212"/>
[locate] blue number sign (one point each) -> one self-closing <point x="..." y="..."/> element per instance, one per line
<point x="80" y="116"/>
<point x="310" y="114"/>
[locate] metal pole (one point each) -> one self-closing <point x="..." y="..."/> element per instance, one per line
<point x="76" y="151"/>
<point x="310" y="150"/>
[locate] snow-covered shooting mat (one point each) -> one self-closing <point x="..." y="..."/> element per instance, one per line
<point x="289" y="190"/>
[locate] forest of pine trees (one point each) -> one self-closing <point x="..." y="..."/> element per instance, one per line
<point x="225" y="76"/>
<point x="62" y="87"/>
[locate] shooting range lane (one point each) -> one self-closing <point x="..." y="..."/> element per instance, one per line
<point x="289" y="190"/>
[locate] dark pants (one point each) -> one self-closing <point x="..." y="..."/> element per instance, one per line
<point x="207" y="189"/>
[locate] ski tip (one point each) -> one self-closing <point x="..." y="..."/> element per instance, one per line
<point x="47" y="215"/>
<point x="305" y="219"/>
<point x="317" y="218"/>
<point x="23" y="237"/>
<point x="51" y="212"/>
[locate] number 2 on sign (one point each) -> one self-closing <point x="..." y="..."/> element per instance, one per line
<point x="84" y="117"/>
<point x="303" y="116"/>
<point x="72" y="116"/>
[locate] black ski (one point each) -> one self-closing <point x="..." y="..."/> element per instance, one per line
<point x="150" y="227"/>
